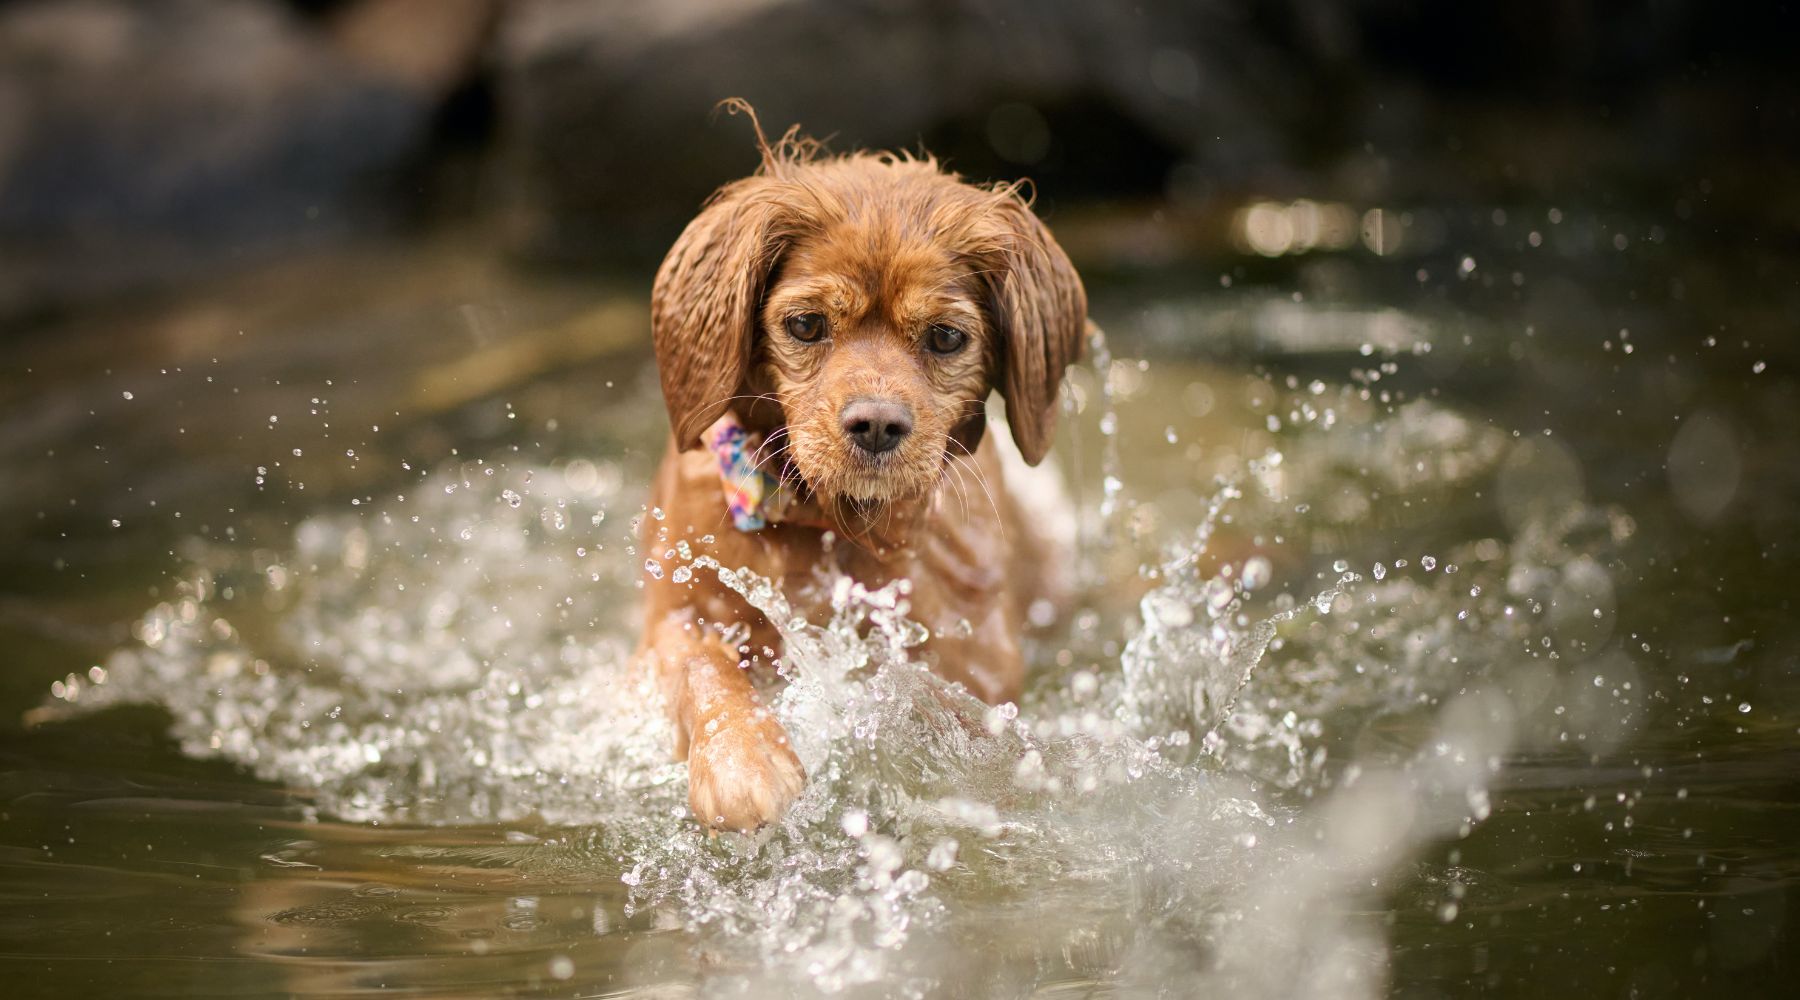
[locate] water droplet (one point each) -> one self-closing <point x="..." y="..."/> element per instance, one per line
<point x="512" y="499"/>
<point x="1256" y="573"/>
<point x="115" y="522"/>
<point x="996" y="719"/>
<point x="1429" y="562"/>
<point x="127" y="395"/>
<point x="942" y="855"/>
<point x="653" y="568"/>
<point x="1165" y="610"/>
<point x="1218" y="596"/>
<point x="1758" y="367"/>
<point x="1744" y="707"/>
<point x="1341" y="566"/>
<point x="1380" y="572"/>
<point x="562" y="967"/>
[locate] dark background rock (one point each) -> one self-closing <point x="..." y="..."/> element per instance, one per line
<point x="144" y="142"/>
<point x="607" y="123"/>
<point x="608" y="110"/>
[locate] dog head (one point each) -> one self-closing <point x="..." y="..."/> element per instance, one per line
<point x="876" y="300"/>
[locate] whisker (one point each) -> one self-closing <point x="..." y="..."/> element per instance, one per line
<point x="757" y="458"/>
<point x="980" y="480"/>
<point x="962" y="493"/>
<point x="771" y="397"/>
<point x="962" y="484"/>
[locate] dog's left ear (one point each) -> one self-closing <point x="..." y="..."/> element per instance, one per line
<point x="704" y="305"/>
<point x="1040" y="311"/>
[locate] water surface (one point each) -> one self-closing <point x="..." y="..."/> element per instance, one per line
<point x="319" y="598"/>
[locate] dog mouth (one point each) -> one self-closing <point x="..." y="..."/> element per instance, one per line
<point x="855" y="480"/>
<point x="882" y="478"/>
<point x="863" y="490"/>
<point x="861" y="507"/>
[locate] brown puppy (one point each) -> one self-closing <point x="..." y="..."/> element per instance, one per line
<point x="828" y="331"/>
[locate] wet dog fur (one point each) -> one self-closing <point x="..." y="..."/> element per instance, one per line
<point x="856" y="311"/>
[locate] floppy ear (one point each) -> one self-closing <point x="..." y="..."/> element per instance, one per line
<point x="1040" y="311"/>
<point x="704" y="304"/>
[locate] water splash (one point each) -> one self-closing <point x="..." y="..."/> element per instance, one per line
<point x="460" y="662"/>
<point x="1173" y="797"/>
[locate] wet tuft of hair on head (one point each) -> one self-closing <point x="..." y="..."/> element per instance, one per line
<point x="791" y="150"/>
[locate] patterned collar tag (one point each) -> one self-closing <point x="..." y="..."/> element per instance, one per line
<point x="756" y="499"/>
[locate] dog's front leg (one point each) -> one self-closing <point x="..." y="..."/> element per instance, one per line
<point x="741" y="771"/>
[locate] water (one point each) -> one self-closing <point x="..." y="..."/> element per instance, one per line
<point x="1422" y="650"/>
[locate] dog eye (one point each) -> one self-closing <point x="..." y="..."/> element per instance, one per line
<point x="945" y="339"/>
<point x="806" y="327"/>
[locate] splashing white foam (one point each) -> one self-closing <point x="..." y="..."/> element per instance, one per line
<point x="468" y="661"/>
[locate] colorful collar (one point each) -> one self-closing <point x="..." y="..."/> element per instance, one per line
<point x="756" y="499"/>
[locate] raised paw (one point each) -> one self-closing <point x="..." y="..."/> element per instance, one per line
<point x="741" y="772"/>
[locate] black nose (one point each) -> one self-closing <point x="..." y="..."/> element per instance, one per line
<point x="876" y="425"/>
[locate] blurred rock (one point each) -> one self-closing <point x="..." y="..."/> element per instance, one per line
<point x="150" y="141"/>
<point x="606" y="108"/>
<point x="141" y="142"/>
<point x="427" y="46"/>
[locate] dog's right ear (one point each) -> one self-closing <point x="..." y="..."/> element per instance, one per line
<point x="704" y="305"/>
<point x="1040" y="309"/>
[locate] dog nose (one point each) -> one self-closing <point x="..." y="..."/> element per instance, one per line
<point x="876" y="425"/>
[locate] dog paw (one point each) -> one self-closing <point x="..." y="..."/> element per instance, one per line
<point x="743" y="775"/>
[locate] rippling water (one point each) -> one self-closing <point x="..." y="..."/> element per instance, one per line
<point x="1357" y="698"/>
